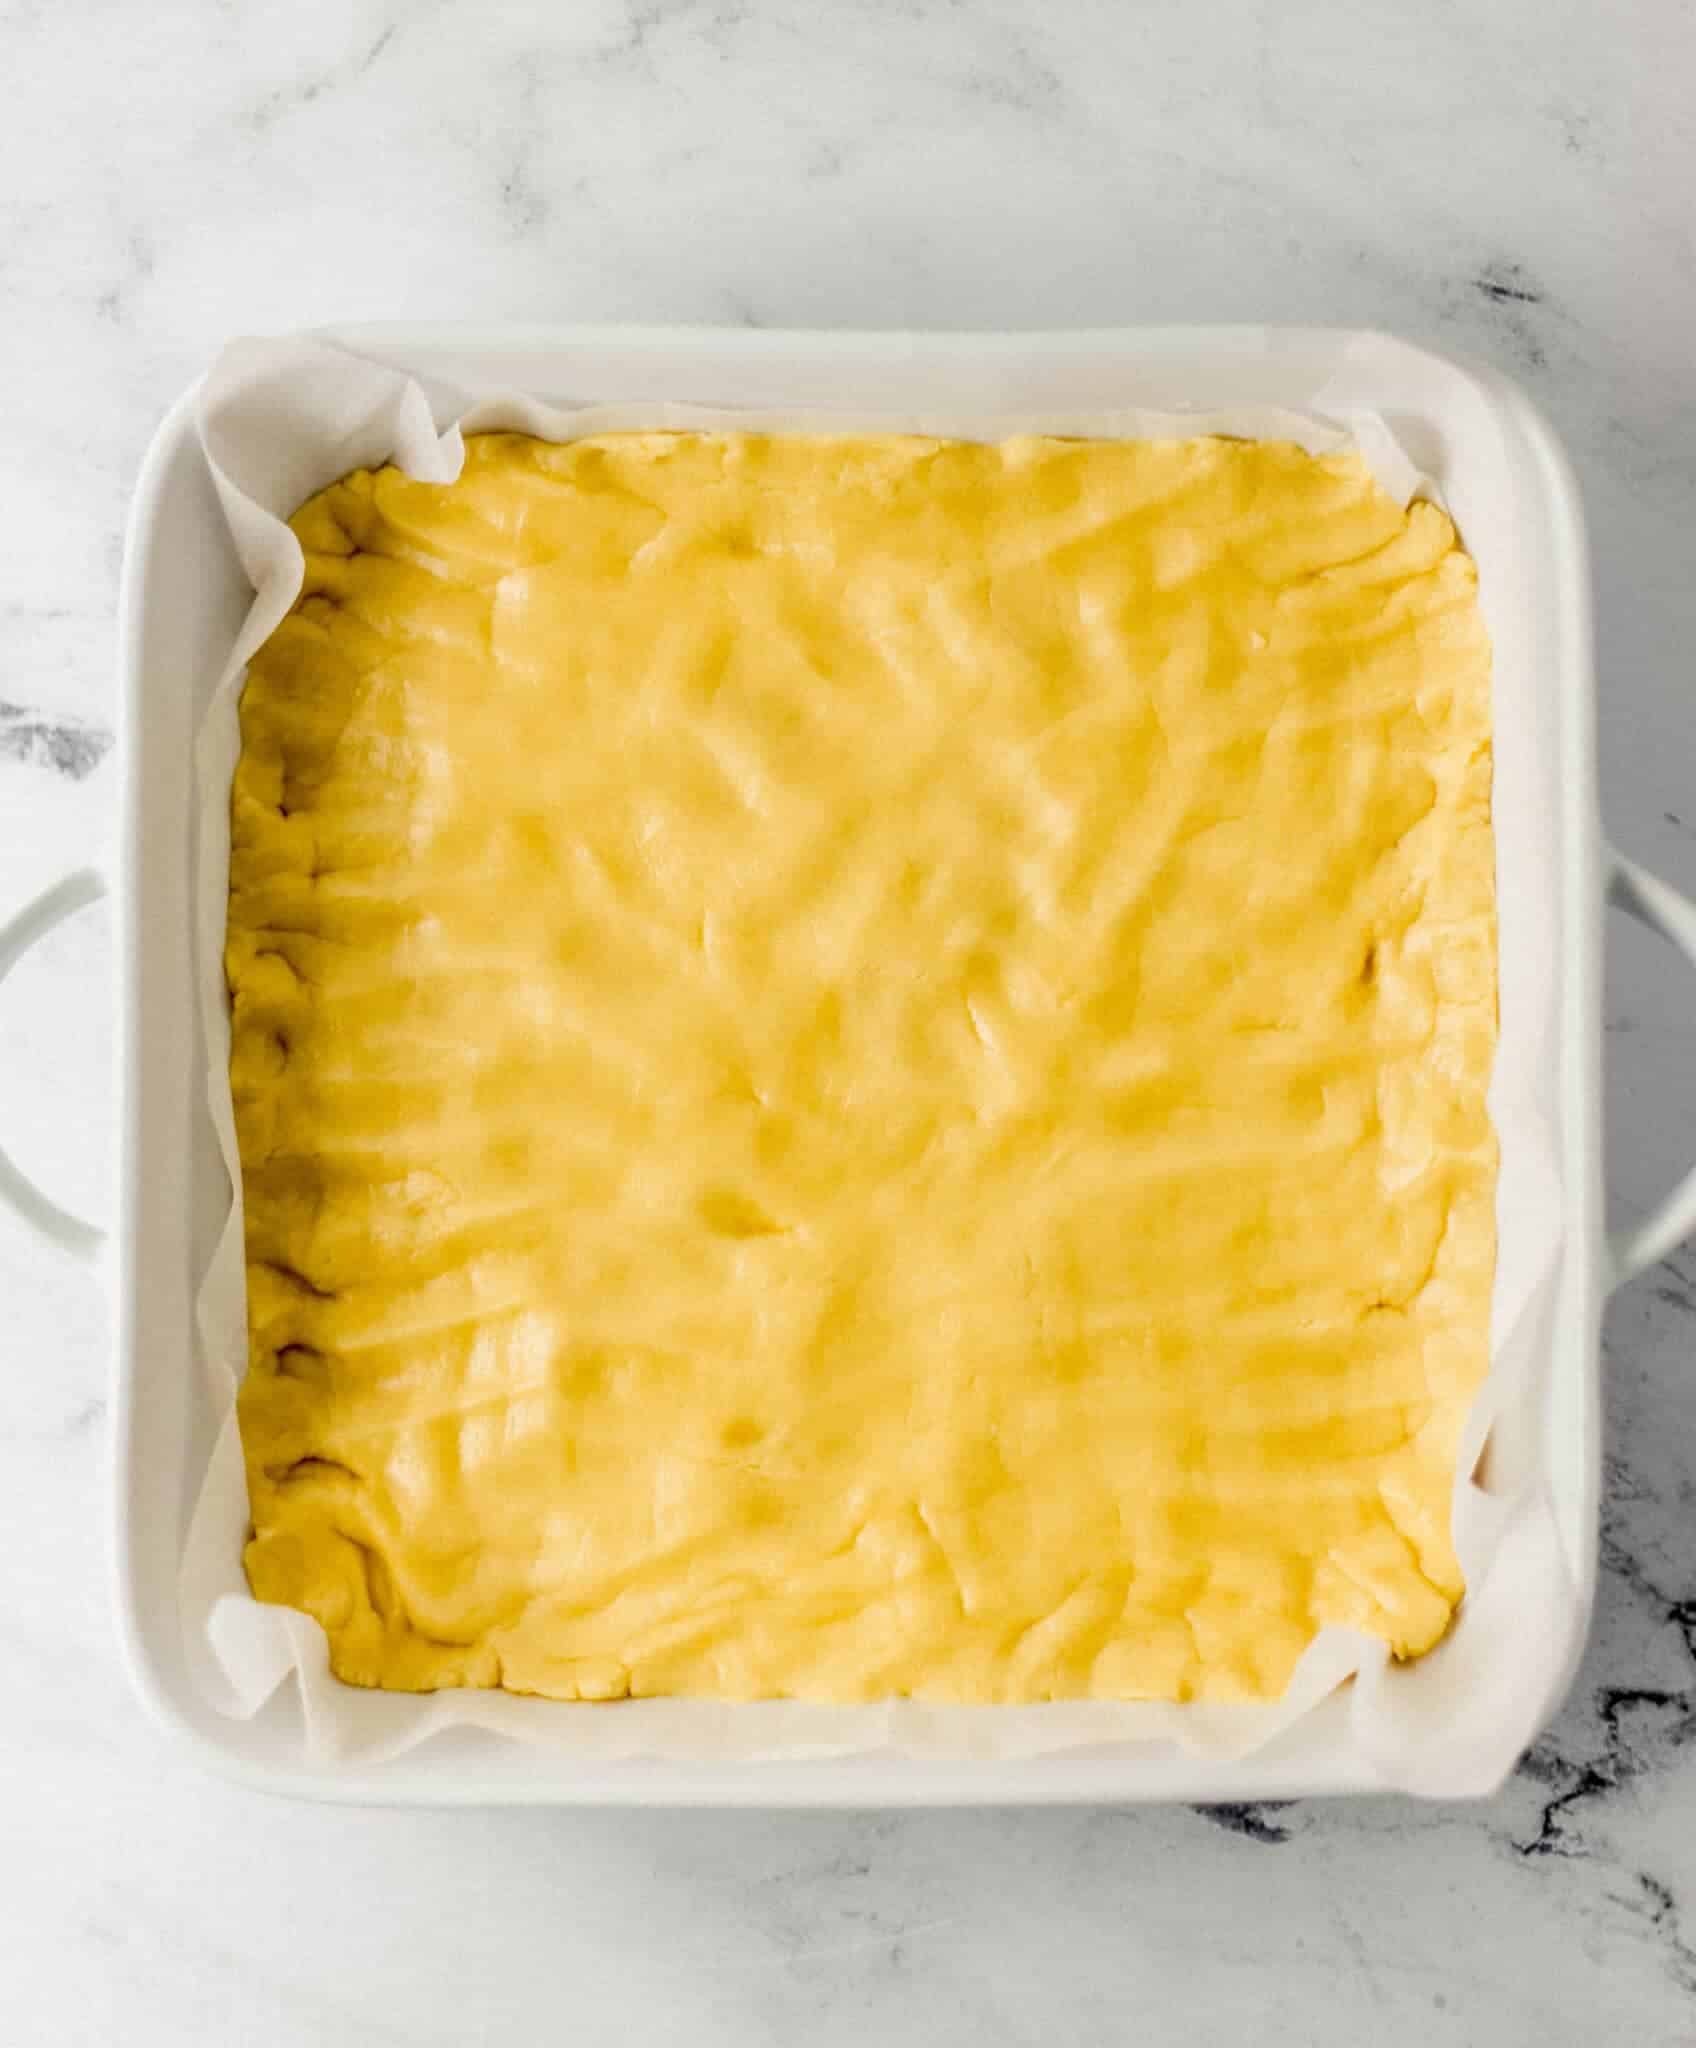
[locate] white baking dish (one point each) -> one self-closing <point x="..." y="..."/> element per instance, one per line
<point x="184" y="597"/>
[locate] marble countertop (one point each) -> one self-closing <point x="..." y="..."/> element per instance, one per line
<point x="1514" y="181"/>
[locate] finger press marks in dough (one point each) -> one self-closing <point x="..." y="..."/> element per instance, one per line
<point x="861" y="1066"/>
<point x="729" y="1214"/>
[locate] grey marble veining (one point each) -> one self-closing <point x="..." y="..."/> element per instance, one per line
<point x="65" y="745"/>
<point x="1514" y="181"/>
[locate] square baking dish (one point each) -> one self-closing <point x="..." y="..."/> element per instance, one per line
<point x="184" y="597"/>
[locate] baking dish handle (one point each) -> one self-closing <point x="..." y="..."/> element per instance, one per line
<point x="1663" y="910"/>
<point x="17" y="1191"/>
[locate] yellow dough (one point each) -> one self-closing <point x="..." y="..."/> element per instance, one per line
<point x="860" y="1066"/>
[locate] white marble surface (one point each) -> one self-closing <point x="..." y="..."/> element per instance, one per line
<point x="1515" y="180"/>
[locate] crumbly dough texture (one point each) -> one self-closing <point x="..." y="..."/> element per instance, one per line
<point x="860" y="1066"/>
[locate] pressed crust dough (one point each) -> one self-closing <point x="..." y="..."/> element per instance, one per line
<point x="860" y="1066"/>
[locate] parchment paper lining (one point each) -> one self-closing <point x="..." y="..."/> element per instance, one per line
<point x="280" y="420"/>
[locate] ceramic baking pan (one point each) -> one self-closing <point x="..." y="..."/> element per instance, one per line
<point x="184" y="596"/>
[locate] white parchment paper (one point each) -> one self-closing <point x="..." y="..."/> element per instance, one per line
<point x="280" y="420"/>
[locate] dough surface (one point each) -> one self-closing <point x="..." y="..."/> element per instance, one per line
<point x="860" y="1067"/>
